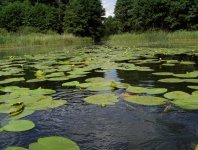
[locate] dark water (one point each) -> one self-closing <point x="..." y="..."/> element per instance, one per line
<point x="124" y="126"/>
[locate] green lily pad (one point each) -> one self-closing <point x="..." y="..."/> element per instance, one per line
<point x="55" y="74"/>
<point x="163" y="73"/>
<point x="36" y="80"/>
<point x="145" y="100"/>
<point x="16" y="148"/>
<point x="143" y="90"/>
<point x="12" y="89"/>
<point x="187" y="75"/>
<point x="73" y="83"/>
<point x="172" y="80"/>
<point x="54" y="143"/>
<point x="41" y="91"/>
<point x="191" y="80"/>
<point x="12" y="80"/>
<point x="193" y="87"/>
<point x="63" y="78"/>
<point x="189" y="103"/>
<point x="102" y="99"/>
<point x="196" y="148"/>
<point x="19" y="125"/>
<point x="168" y="65"/>
<point x="100" y="88"/>
<point x="187" y="63"/>
<point x="176" y="95"/>
<point x="25" y="113"/>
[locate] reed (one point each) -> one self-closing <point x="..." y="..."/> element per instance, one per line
<point x="156" y="39"/>
<point x="34" y="39"/>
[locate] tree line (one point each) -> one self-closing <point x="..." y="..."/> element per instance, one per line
<point x="144" y="15"/>
<point x="80" y="17"/>
<point x="86" y="17"/>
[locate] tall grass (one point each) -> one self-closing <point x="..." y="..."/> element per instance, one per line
<point x="18" y="40"/>
<point x="156" y="39"/>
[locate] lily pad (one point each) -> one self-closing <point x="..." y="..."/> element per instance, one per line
<point x="145" y="100"/>
<point x="193" y="87"/>
<point x="54" y="143"/>
<point x="73" y="83"/>
<point x="16" y="148"/>
<point x="100" y="88"/>
<point x="176" y="95"/>
<point x="187" y="62"/>
<point x="187" y="75"/>
<point x="196" y="148"/>
<point x="19" y="125"/>
<point x="143" y="90"/>
<point x="102" y="99"/>
<point x="163" y="73"/>
<point x="172" y="80"/>
<point x="10" y="80"/>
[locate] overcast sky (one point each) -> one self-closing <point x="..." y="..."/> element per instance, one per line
<point x="109" y="6"/>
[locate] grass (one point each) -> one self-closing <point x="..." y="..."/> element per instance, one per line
<point x="156" y="39"/>
<point x="9" y="40"/>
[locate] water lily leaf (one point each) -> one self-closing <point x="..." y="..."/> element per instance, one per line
<point x="190" y="103"/>
<point x="168" y="65"/>
<point x="193" y="87"/>
<point x="97" y="80"/>
<point x="57" y="103"/>
<point x="63" y="78"/>
<point x="54" y="143"/>
<point x="143" y="90"/>
<point x="145" y="100"/>
<point x="36" y="80"/>
<point x="187" y="63"/>
<point x="100" y="88"/>
<point x="15" y="148"/>
<point x="196" y="148"/>
<point x="176" y="95"/>
<point x="163" y="73"/>
<point x="12" y="80"/>
<point x="102" y="99"/>
<point x="73" y="83"/>
<point x="25" y="113"/>
<point x="187" y="75"/>
<point x="12" y="89"/>
<point x="19" y="125"/>
<point x="172" y="80"/>
<point x="191" y="80"/>
<point x="55" y="74"/>
<point x="41" y="91"/>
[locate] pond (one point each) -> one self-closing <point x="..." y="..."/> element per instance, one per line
<point x="101" y="98"/>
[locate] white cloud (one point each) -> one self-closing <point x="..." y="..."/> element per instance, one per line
<point x="109" y="6"/>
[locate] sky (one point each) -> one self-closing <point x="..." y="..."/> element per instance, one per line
<point x="109" y="6"/>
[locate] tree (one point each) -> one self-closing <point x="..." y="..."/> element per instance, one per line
<point x="111" y="25"/>
<point x="12" y="15"/>
<point x="84" y="18"/>
<point x="42" y="17"/>
<point x="123" y="15"/>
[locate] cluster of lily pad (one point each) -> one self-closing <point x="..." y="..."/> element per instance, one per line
<point x="21" y="102"/>
<point x="50" y="143"/>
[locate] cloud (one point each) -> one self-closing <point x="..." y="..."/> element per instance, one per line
<point x="109" y="6"/>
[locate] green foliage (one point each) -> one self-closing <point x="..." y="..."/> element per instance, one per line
<point x="111" y="25"/>
<point x="42" y="17"/>
<point x="12" y="15"/>
<point x="141" y="15"/>
<point x="84" y="18"/>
